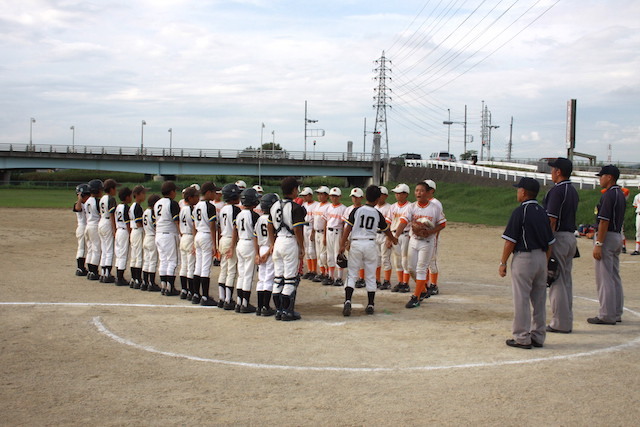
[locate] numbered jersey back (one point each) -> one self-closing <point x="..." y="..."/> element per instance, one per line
<point x="365" y="222"/>
<point x="204" y="213"/>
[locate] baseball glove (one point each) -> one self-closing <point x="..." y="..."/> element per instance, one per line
<point x="552" y="271"/>
<point x="342" y="261"/>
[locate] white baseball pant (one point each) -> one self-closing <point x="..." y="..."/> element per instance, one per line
<point x="420" y="253"/>
<point x="150" y="254"/>
<point x="228" y="266"/>
<point x="333" y="247"/>
<point x="401" y="253"/>
<point x="433" y="263"/>
<point x="266" y="272"/>
<point x="285" y="263"/>
<point x="363" y="255"/>
<point x="93" y="239"/>
<point x="80" y="230"/>
<point x="204" y="254"/>
<point x="321" y="249"/>
<point x="246" y="255"/>
<point x="167" y="246"/>
<point x="384" y="253"/>
<point x="309" y="245"/>
<point x="136" y="242"/>
<point x="105" y="231"/>
<point x="122" y="248"/>
<point x="187" y="257"/>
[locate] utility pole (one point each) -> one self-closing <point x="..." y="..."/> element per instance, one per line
<point x="510" y="146"/>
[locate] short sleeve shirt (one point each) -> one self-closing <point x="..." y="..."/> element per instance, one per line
<point x="529" y="228"/>
<point x="561" y="202"/>
<point x="365" y="221"/>
<point x="611" y="208"/>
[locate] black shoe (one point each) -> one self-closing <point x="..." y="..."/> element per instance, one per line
<point x="536" y="343"/>
<point x="122" y="283"/>
<point x="424" y="295"/>
<point x="433" y="290"/>
<point x="153" y="288"/>
<point x="268" y="311"/>
<point x="288" y="316"/>
<point x="338" y="282"/>
<point x="635" y="253"/>
<point x="162" y="290"/>
<point x="195" y="299"/>
<point x="171" y="292"/>
<point x="137" y="285"/>
<point x="413" y="302"/>
<point x="378" y="284"/>
<point x="101" y="279"/>
<point x="397" y="287"/>
<point x="183" y="294"/>
<point x="189" y="296"/>
<point x="309" y="275"/>
<point x="237" y="308"/>
<point x="259" y="311"/>
<point x="369" y="309"/>
<point x="208" y="302"/>
<point x="229" y="305"/>
<point x="558" y="331"/>
<point x="327" y="281"/>
<point x="81" y="272"/>
<point x="92" y="276"/>
<point x="248" y="309"/>
<point x="346" y="310"/>
<point x="132" y="283"/>
<point x="221" y="303"/>
<point x="109" y="279"/>
<point x="144" y="287"/>
<point x="624" y="250"/>
<point x="278" y="315"/>
<point x="318" y="278"/>
<point x="598" y="321"/>
<point x="405" y="288"/>
<point x="514" y="343"/>
<point x="385" y="285"/>
<point x="360" y="283"/>
<point x="216" y="263"/>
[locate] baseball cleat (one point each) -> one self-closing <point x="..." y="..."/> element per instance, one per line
<point x="101" y="279"/>
<point x="195" y="299"/>
<point x="216" y="263"/>
<point x="144" y="286"/>
<point x="81" y="272"/>
<point x="413" y="302"/>
<point x="122" y="283"/>
<point x="397" y="287"/>
<point x="137" y="285"/>
<point x="153" y="288"/>
<point x="318" y="278"/>
<point x="221" y="303"/>
<point x="189" y="296"/>
<point x="288" y="316"/>
<point x="259" y="311"/>
<point x="378" y="284"/>
<point x="248" y="309"/>
<point x="514" y="343"/>
<point x="278" y="315"/>
<point x="369" y="309"/>
<point x="360" y="283"/>
<point x="208" y="302"/>
<point x="385" y="285"/>
<point x="109" y="279"/>
<point x="635" y="253"/>
<point x="434" y="290"/>
<point x="327" y="281"/>
<point x="268" y="311"/>
<point x="183" y="294"/>
<point x="237" y="308"/>
<point x="405" y="288"/>
<point x="346" y="310"/>
<point x="424" y="295"/>
<point x="92" y="276"/>
<point x="598" y="321"/>
<point x="229" y="305"/>
<point x="338" y="282"/>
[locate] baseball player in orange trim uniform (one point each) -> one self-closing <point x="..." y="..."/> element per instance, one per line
<point x="384" y="262"/>
<point x="425" y="219"/>
<point x="319" y="225"/>
<point x="136" y="237"/>
<point x="433" y="264"/>
<point x="334" y="217"/>
<point x="310" y="206"/>
<point x="400" y="251"/>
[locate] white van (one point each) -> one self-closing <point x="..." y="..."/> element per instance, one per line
<point x="444" y="156"/>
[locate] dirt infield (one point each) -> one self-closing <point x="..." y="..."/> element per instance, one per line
<point x="84" y="353"/>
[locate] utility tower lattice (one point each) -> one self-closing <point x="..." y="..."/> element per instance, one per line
<point x="381" y="97"/>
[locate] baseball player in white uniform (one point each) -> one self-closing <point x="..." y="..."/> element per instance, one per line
<point x="245" y="244"/>
<point x="228" y="264"/>
<point x="319" y="225"/>
<point x="286" y="221"/>
<point x="356" y="198"/>
<point x="123" y="229"/>
<point x="310" y="206"/>
<point x="266" y="273"/>
<point x="190" y="196"/>
<point x="362" y="226"/>
<point x="636" y="206"/>
<point x="149" y="249"/>
<point x="384" y="262"/>
<point x="92" y="236"/>
<point x="167" y="212"/>
<point x="205" y="223"/>
<point x="425" y="220"/>
<point x="83" y="192"/>
<point x="334" y="218"/>
<point x="107" y="230"/>
<point x="400" y="252"/>
<point x="433" y="264"/>
<point x="136" y="237"/>
<point x="219" y="204"/>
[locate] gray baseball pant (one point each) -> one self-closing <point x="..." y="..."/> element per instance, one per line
<point x="529" y="285"/>
<point x="561" y="291"/>
<point x="608" y="282"/>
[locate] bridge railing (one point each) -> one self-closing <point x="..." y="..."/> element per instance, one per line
<point x="188" y="152"/>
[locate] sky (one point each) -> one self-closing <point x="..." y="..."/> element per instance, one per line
<point x="215" y="71"/>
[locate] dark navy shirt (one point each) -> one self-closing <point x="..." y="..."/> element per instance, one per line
<point x="611" y="208"/>
<point x="529" y="228"/>
<point x="561" y="203"/>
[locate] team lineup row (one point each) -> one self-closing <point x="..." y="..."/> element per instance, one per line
<point x="246" y="229"/>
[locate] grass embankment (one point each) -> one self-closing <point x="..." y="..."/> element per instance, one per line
<point x="462" y="203"/>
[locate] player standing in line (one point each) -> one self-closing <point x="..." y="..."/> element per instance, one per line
<point x="205" y="222"/>
<point x="636" y="205"/>
<point x="190" y="196"/>
<point x="384" y="261"/>
<point x="136" y="237"/>
<point x="245" y="243"/>
<point x="123" y="229"/>
<point x="107" y="230"/>
<point x="182" y="202"/>
<point x="561" y="204"/>
<point x="528" y="236"/>
<point x="607" y="248"/>
<point x="286" y="221"/>
<point x="362" y="226"/>
<point x="400" y="251"/>
<point x="310" y="206"/>
<point x="83" y="192"/>
<point x="266" y="273"/>
<point x="92" y="211"/>
<point x="150" y="251"/>
<point x="334" y="218"/>
<point x="319" y="225"/>
<point x="426" y="220"/>
<point x="219" y="204"/>
<point x="356" y="195"/>
<point x="433" y="263"/>
<point x="167" y="212"/>
<point x="228" y="265"/>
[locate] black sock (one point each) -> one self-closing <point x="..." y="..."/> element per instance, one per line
<point x="190" y="285"/>
<point x="196" y="284"/>
<point x="348" y="293"/>
<point x="183" y="283"/>
<point x="120" y="274"/>
<point x="145" y="277"/>
<point x="107" y="271"/>
<point x="205" y="286"/>
<point x="229" y="294"/>
<point x="80" y="262"/>
<point x="240" y="295"/>
<point x="371" y="296"/>
<point x="285" y="301"/>
<point x="139" y="274"/>
<point x="266" y="298"/>
<point x="260" y="299"/>
<point x="171" y="280"/>
<point x="277" y="301"/>
<point x="245" y="298"/>
<point x="152" y="278"/>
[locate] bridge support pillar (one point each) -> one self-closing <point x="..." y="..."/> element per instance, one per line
<point x="6" y="177"/>
<point x="159" y="178"/>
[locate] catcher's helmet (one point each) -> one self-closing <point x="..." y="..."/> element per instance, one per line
<point x="267" y="201"/>
<point x="230" y="192"/>
<point x="95" y="186"/>
<point x="342" y="261"/>
<point x="249" y="197"/>
<point x="83" y="189"/>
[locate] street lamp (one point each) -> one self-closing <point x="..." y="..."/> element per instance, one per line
<point x="306" y="122"/>
<point x="489" y="142"/>
<point x="142" y="137"/>
<point x="31" y="122"/>
<point x="449" y="123"/>
<point x="170" y="139"/>
<point x="73" y="137"/>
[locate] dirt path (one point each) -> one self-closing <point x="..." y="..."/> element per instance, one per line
<point x="160" y="361"/>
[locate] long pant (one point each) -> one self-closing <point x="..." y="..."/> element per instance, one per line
<point x="608" y="281"/>
<point x="135" y="249"/>
<point x="420" y="253"/>
<point x="105" y="231"/>
<point x="285" y="263"/>
<point x="561" y="291"/>
<point x="122" y="248"/>
<point x="167" y="245"/>
<point x="228" y="266"/>
<point x="309" y="245"/>
<point x="187" y="257"/>
<point x="362" y="255"/>
<point x="384" y="253"/>
<point x="246" y="254"/>
<point x="321" y="249"/>
<point x="400" y="253"/>
<point x="93" y="240"/>
<point x="529" y="287"/>
<point x="150" y="254"/>
<point x="80" y="237"/>
<point x="266" y="272"/>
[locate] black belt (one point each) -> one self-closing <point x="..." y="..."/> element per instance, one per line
<point x="189" y="234"/>
<point x="529" y="250"/>
<point x="319" y="231"/>
<point x="363" y="239"/>
<point x="334" y="229"/>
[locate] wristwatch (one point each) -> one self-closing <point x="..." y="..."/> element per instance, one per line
<point x="598" y="243"/>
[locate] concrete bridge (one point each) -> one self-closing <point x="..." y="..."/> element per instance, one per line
<point x="357" y="167"/>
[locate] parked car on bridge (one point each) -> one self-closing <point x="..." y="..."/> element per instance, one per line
<point x="410" y="156"/>
<point x="443" y="156"/>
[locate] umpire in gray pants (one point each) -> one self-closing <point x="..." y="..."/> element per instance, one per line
<point x="528" y="236"/>
<point x="561" y="203"/>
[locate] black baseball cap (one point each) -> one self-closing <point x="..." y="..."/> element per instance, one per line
<point x="609" y="170"/>
<point x="528" y="184"/>
<point x="565" y="165"/>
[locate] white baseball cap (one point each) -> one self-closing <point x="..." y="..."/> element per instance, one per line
<point x="335" y="191"/>
<point x="430" y="183"/>
<point x="323" y="189"/>
<point x="258" y="188"/>
<point x="196" y="186"/>
<point x="356" y="192"/>
<point x="383" y="189"/>
<point x="305" y="191"/>
<point x="241" y="184"/>
<point x="401" y="188"/>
